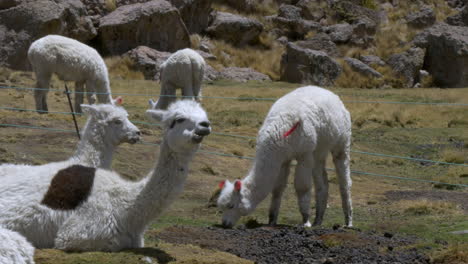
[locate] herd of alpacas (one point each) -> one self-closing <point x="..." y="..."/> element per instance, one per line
<point x="80" y="204"/>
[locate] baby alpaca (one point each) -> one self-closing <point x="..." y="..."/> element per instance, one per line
<point x="71" y="60"/>
<point x="14" y="248"/>
<point x="305" y="124"/>
<point x="184" y="69"/>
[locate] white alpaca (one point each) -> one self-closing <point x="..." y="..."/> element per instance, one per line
<point x="184" y="69"/>
<point x="106" y="128"/>
<point x="112" y="213"/>
<point x="305" y="125"/>
<point x="71" y="60"/>
<point x="14" y="248"/>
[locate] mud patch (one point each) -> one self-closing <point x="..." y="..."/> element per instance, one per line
<point x="460" y="198"/>
<point x="287" y="244"/>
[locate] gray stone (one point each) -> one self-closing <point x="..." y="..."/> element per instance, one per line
<point x="362" y="68"/>
<point x="363" y="32"/>
<point x="195" y="13"/>
<point x="289" y="12"/>
<point x="294" y="28"/>
<point x="372" y="60"/>
<point x="301" y="65"/>
<point x="148" y="61"/>
<point x="27" y="20"/>
<point x="241" y="5"/>
<point x="460" y="19"/>
<point x="407" y="65"/>
<point x="242" y="74"/>
<point x="235" y="29"/>
<point x="156" y="24"/>
<point x="322" y="42"/>
<point x="311" y="10"/>
<point x="421" y="39"/>
<point x="340" y="33"/>
<point x="353" y="12"/>
<point x="421" y="19"/>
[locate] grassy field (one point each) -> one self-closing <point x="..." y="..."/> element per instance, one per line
<point x="432" y="132"/>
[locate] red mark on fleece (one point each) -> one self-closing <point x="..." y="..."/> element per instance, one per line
<point x="221" y="185"/>
<point x="289" y="132"/>
<point x="119" y="100"/>
<point x="238" y="185"/>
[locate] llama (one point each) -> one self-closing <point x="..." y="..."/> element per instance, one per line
<point x="304" y="125"/>
<point x="102" y="211"/>
<point x="107" y="127"/>
<point x="185" y="69"/>
<point x="71" y="60"/>
<point x="14" y="248"/>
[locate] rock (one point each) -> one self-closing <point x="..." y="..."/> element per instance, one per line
<point x="311" y="10"/>
<point x="363" y="32"/>
<point x="289" y="12"/>
<point x="447" y="57"/>
<point x="242" y="74"/>
<point x="408" y="64"/>
<point x="5" y="4"/>
<point x="460" y="19"/>
<point x="28" y="20"/>
<point x="211" y="74"/>
<point x="362" y="68"/>
<point x="294" y="28"/>
<point x="351" y="12"/>
<point x="148" y="61"/>
<point x="421" y="19"/>
<point x="322" y="42"/>
<point x="301" y="65"/>
<point x="206" y="55"/>
<point x="421" y="39"/>
<point x="283" y="40"/>
<point x="195" y="13"/>
<point x="235" y="29"/>
<point x="372" y="60"/>
<point x="242" y="5"/>
<point x="156" y="24"/>
<point x="340" y="33"/>
<point x="456" y="3"/>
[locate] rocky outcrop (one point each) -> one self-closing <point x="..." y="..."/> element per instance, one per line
<point x="362" y="68"/>
<point x="340" y="33"/>
<point x="421" y="39"/>
<point x="423" y="18"/>
<point x="311" y="10"/>
<point x="372" y="60"/>
<point x="407" y="65"/>
<point x="195" y="13"/>
<point x="447" y="57"/>
<point x="156" y="24"/>
<point x="242" y="74"/>
<point x="352" y="12"/>
<point x="460" y="19"/>
<point x="22" y="22"/>
<point x="322" y="42"/>
<point x="148" y="61"/>
<point x="301" y="65"/>
<point x="234" y="29"/>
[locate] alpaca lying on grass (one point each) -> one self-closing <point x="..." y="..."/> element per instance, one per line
<point x="305" y="124"/>
<point x="71" y="60"/>
<point x="14" y="248"/>
<point x="184" y="69"/>
<point x="97" y="209"/>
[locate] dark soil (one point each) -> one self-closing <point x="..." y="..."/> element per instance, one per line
<point x="286" y="244"/>
<point x="460" y="198"/>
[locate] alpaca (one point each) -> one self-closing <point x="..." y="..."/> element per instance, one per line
<point x="107" y="127"/>
<point x="14" y="248"/>
<point x="71" y="60"/>
<point x="185" y="69"/>
<point x="105" y="212"/>
<point x="304" y="125"/>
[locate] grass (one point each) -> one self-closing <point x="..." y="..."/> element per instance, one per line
<point x="405" y="130"/>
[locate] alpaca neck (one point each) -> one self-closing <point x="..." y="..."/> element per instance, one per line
<point x="93" y="150"/>
<point x="160" y="188"/>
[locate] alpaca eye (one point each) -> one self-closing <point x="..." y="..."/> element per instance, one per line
<point x="180" y="120"/>
<point x="118" y="122"/>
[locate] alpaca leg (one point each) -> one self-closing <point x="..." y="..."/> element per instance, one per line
<point x="277" y="193"/>
<point x="343" y="172"/>
<point x="319" y="174"/>
<point x="196" y="84"/>
<point x="90" y="95"/>
<point x="79" y="89"/>
<point x="168" y="93"/>
<point x="303" y="186"/>
<point x="40" y="95"/>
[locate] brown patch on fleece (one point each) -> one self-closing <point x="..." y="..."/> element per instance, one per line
<point x="69" y="188"/>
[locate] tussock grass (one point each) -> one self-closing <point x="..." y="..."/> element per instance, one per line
<point x="111" y="5"/>
<point x="454" y="156"/>
<point x="426" y="207"/>
<point x="122" y="68"/>
<point x="453" y="254"/>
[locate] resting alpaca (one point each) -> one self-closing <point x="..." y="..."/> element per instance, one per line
<point x="305" y="124"/>
<point x="183" y="69"/>
<point x="71" y="60"/>
<point x="107" y="212"/>
<point x="15" y="249"/>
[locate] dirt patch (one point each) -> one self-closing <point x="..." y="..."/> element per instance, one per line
<point x="460" y="198"/>
<point x="287" y="244"/>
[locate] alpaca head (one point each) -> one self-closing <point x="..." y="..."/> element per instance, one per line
<point x="112" y="123"/>
<point x="185" y="124"/>
<point x="231" y="203"/>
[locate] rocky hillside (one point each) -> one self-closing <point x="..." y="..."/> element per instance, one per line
<point x="348" y="43"/>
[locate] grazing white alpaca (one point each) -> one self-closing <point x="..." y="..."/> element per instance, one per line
<point x="305" y="125"/>
<point x="14" y="248"/>
<point x="100" y="210"/>
<point x="71" y="60"/>
<point x="184" y="69"/>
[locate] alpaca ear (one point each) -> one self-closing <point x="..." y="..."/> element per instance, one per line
<point x="238" y="185"/>
<point x="118" y="100"/>
<point x="88" y="109"/>
<point x="157" y="115"/>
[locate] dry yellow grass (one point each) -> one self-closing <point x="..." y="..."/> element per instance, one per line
<point x="426" y="207"/>
<point x="122" y="68"/>
<point x="454" y="156"/>
<point x="454" y="254"/>
<point x="111" y="5"/>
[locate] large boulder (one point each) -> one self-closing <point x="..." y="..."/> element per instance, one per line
<point x="148" y="61"/>
<point x="311" y="10"/>
<point x="195" y="13"/>
<point x="235" y="29"/>
<point x="407" y="65"/>
<point x="362" y="68"/>
<point x="322" y="42"/>
<point x="156" y="24"/>
<point x="22" y="22"/>
<point x="293" y="28"/>
<point x="425" y="17"/>
<point x="460" y="19"/>
<point x="301" y="65"/>
<point x="447" y="57"/>
<point x="339" y="33"/>
<point x="241" y="5"/>
<point x="242" y="74"/>
<point x="353" y="12"/>
<point x="421" y="39"/>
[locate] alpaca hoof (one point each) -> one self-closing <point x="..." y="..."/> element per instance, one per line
<point x="307" y="224"/>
